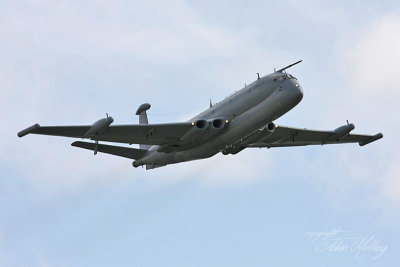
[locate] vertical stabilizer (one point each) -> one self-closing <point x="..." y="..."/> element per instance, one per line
<point x="141" y="111"/>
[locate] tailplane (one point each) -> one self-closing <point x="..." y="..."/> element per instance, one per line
<point x="126" y="152"/>
<point x="141" y="111"/>
<point x="153" y="166"/>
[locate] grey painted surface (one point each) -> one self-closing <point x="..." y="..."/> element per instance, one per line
<point x="244" y="119"/>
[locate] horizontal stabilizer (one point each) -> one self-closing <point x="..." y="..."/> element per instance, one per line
<point x="126" y="152"/>
<point x="149" y="167"/>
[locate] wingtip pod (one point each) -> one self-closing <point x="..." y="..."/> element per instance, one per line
<point x="372" y="139"/>
<point x="29" y="130"/>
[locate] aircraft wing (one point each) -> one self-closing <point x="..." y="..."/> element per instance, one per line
<point x="152" y="134"/>
<point x="287" y="136"/>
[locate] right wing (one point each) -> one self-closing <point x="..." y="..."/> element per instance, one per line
<point x="284" y="136"/>
<point x="287" y="136"/>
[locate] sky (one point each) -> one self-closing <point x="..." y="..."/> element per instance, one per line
<point x="68" y="62"/>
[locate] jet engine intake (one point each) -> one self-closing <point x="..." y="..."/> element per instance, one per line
<point x="201" y="124"/>
<point x="218" y="123"/>
<point x="233" y="150"/>
<point x="271" y="127"/>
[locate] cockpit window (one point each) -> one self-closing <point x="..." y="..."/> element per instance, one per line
<point x="284" y="77"/>
<point x="279" y="78"/>
<point x="290" y="76"/>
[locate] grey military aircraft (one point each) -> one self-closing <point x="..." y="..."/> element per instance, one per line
<point x="242" y="120"/>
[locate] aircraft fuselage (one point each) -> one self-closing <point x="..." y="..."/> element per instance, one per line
<point x="244" y="112"/>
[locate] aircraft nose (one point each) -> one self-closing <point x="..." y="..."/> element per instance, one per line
<point x="296" y="91"/>
<point x="300" y="89"/>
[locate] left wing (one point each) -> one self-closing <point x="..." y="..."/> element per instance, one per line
<point x="287" y="136"/>
<point x="152" y="134"/>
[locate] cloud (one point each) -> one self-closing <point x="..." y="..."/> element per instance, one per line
<point x="148" y="32"/>
<point x="46" y="69"/>
<point x="391" y="182"/>
<point x="371" y="59"/>
<point x="167" y="35"/>
<point x="69" y="63"/>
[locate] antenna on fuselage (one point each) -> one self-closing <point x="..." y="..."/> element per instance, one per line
<point x="258" y="76"/>
<point x="211" y="103"/>
<point x="291" y="65"/>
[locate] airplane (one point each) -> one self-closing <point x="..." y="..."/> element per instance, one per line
<point x="242" y="120"/>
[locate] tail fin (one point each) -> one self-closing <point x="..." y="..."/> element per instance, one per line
<point x="141" y="111"/>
